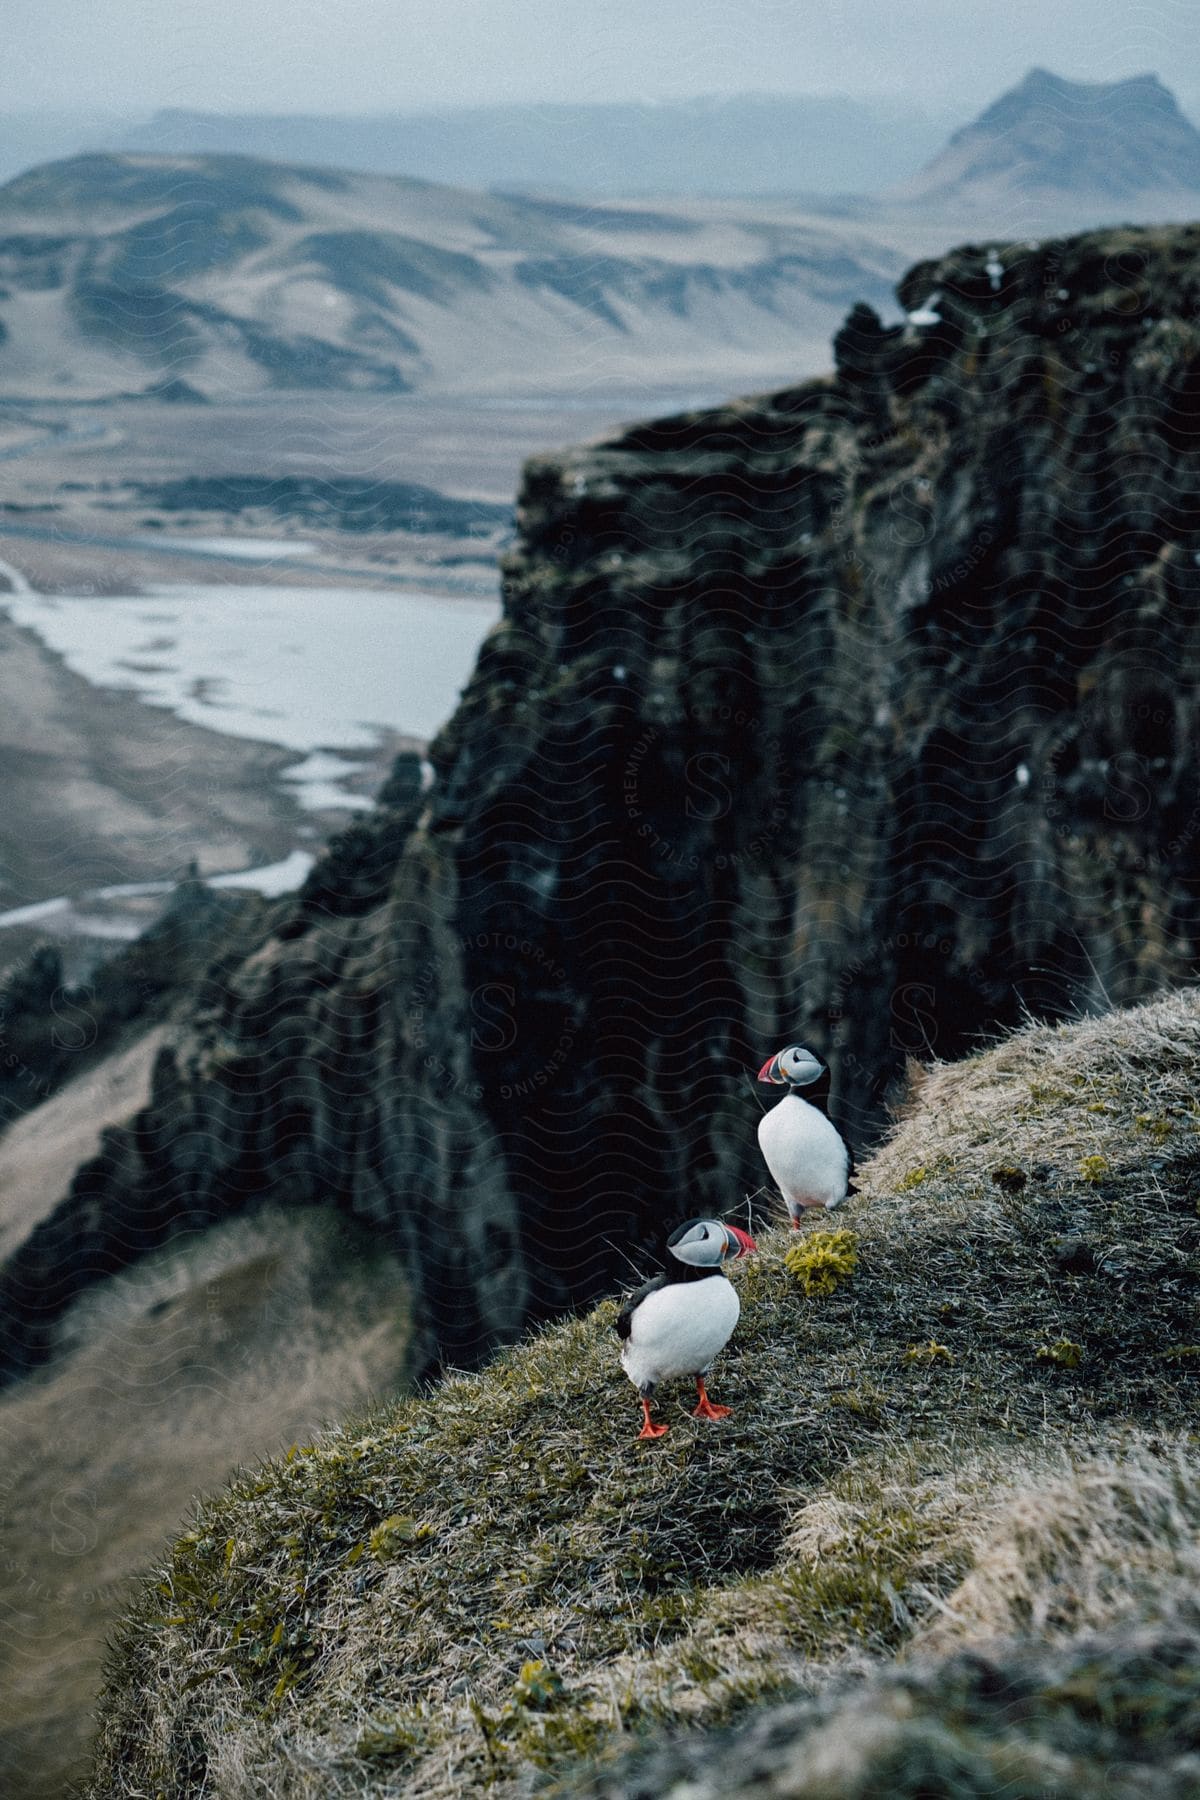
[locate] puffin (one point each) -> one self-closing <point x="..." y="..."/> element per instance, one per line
<point x="676" y="1324"/>
<point x="806" y="1153"/>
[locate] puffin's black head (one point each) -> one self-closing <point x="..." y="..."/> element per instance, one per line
<point x="707" y="1244"/>
<point x="797" y="1067"/>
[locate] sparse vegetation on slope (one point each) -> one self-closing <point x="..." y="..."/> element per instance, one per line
<point x="493" y="1584"/>
<point x="1114" y="1715"/>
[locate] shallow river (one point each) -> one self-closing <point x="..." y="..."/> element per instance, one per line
<point x="322" y="671"/>
<point x="310" y="668"/>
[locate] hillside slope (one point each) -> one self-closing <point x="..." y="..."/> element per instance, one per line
<point x="227" y="1345"/>
<point x="982" y="1434"/>
<point x="226" y="275"/>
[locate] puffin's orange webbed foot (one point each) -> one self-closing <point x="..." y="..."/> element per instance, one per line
<point x="706" y="1409"/>
<point x="649" y="1428"/>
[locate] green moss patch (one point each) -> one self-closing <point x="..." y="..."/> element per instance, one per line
<point x="822" y="1261"/>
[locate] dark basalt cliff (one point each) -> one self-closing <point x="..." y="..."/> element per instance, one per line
<point x="863" y="713"/>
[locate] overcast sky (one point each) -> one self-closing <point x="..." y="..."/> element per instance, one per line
<point x="373" y="55"/>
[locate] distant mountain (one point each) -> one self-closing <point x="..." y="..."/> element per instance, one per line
<point x="740" y="144"/>
<point x="30" y="138"/>
<point x="231" y="275"/>
<point x="1123" y="147"/>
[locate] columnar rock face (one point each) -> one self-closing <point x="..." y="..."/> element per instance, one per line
<point x="862" y="713"/>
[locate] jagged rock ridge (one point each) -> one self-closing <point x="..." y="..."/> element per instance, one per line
<point x="863" y="712"/>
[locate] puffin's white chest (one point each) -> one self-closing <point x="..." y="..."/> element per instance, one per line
<point x="805" y="1154"/>
<point x="679" y="1329"/>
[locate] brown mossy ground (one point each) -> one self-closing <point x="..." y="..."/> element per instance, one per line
<point x="1114" y="1715"/>
<point x="489" y="1585"/>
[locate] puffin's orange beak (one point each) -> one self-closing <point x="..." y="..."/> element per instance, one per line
<point x="742" y="1243"/>
<point x="770" y="1070"/>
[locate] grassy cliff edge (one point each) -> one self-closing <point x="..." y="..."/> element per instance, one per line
<point x="970" y="1425"/>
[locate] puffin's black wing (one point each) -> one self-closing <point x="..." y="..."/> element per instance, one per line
<point x="625" y="1316"/>
<point x="817" y="1094"/>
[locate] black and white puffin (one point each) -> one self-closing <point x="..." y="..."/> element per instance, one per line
<point x="806" y="1153"/>
<point x="676" y="1324"/>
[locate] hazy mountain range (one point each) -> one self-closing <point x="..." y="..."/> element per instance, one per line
<point x="1115" y="140"/>
<point x="740" y="144"/>
<point x="184" y="271"/>
<point x="223" y="274"/>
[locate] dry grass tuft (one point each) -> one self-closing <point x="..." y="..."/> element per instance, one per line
<point x="1107" y="1535"/>
<point x="495" y="1582"/>
<point x="1114" y="1087"/>
<point x="1115" y="1715"/>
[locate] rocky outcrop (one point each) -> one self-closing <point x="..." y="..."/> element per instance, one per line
<point x="863" y="712"/>
<point x="52" y="1029"/>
